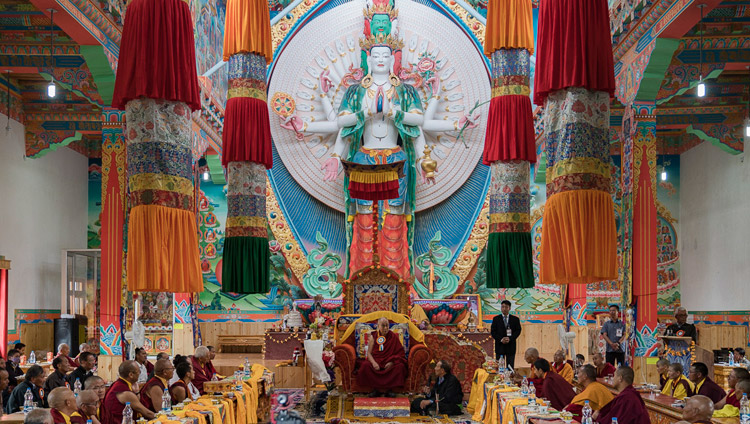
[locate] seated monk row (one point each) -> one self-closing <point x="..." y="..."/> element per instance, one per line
<point x="628" y="406"/>
<point x="384" y="367"/>
<point x="677" y="385"/>
<point x="66" y="408"/>
<point x="594" y="392"/>
<point x="121" y="392"/>
<point x="735" y="377"/>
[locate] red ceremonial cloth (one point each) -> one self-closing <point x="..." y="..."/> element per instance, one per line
<point x="393" y="351"/>
<point x="112" y="406"/>
<point x="510" y="130"/>
<point x="157" y="54"/>
<point x="557" y="390"/>
<point x="145" y="396"/>
<point x="606" y="371"/>
<point x="627" y="407"/>
<point x="576" y="54"/>
<point x="247" y="132"/>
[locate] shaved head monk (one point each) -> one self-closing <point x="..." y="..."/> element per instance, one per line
<point x="678" y="385"/>
<point x="734" y="378"/>
<point x="530" y="357"/>
<point x="698" y="409"/>
<point x="562" y="367"/>
<point x="628" y="406"/>
<point x="603" y="369"/>
<point x="594" y="392"/>
<point x="384" y="367"/>
<point x="62" y="403"/>
<point x="555" y="388"/>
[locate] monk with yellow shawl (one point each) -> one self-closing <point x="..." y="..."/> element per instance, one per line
<point x="562" y="367"/>
<point x="594" y="392"/>
<point x="678" y="385"/>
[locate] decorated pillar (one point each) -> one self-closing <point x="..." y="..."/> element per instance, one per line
<point x="640" y="222"/>
<point x="4" y="268"/>
<point x="114" y="205"/>
<point x="509" y="147"/>
<point x="247" y="147"/>
<point x="574" y="80"/>
<point x="157" y="86"/>
<point x="576" y="304"/>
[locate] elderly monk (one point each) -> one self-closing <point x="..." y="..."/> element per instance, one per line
<point x="734" y="377"/>
<point x="62" y="403"/>
<point x="530" y="357"/>
<point x="662" y="367"/>
<point x="153" y="391"/>
<point x="88" y="405"/>
<point x="603" y="369"/>
<point x="98" y="386"/>
<point x="553" y="387"/>
<point x="594" y="392"/>
<point x="698" y="374"/>
<point x="628" y="406"/>
<point x="698" y="409"/>
<point x="385" y="365"/>
<point x="121" y="392"/>
<point x="677" y="386"/>
<point x="562" y="367"/>
<point x="63" y="350"/>
<point x="201" y="371"/>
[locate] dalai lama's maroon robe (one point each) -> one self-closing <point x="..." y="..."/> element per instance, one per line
<point x="557" y="390"/>
<point x="628" y="407"/>
<point x="606" y="371"/>
<point x="393" y="351"/>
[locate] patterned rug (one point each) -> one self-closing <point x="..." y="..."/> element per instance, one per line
<point x="340" y="409"/>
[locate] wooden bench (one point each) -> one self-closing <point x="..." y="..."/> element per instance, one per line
<point x="235" y="343"/>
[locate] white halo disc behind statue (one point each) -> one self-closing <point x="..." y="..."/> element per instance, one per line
<point x="334" y="37"/>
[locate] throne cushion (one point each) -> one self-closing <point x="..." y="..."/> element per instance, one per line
<point x="363" y="328"/>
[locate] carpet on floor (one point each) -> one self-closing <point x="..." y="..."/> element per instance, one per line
<point x="340" y="409"/>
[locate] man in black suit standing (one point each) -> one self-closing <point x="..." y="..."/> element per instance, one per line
<point x="505" y="330"/>
<point x="445" y="396"/>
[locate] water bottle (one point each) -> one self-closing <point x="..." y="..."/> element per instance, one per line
<point x="89" y="422"/>
<point x="32" y="358"/>
<point x="166" y="403"/>
<point x="586" y="414"/>
<point x="127" y="414"/>
<point x="247" y="366"/>
<point x="744" y="409"/>
<point x="77" y="387"/>
<point x="532" y="394"/>
<point x="525" y="387"/>
<point x="238" y="381"/>
<point x="614" y="420"/>
<point x="731" y="359"/>
<point x="28" y="401"/>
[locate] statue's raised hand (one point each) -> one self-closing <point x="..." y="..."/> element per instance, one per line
<point x="470" y="121"/>
<point x="434" y="83"/>
<point x="331" y="168"/>
<point x="294" y="123"/>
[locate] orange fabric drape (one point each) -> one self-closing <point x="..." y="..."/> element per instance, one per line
<point x="162" y="254"/>
<point x="248" y="29"/>
<point x="510" y="25"/>
<point x="579" y="225"/>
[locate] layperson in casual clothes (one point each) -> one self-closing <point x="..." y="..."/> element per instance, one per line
<point x="121" y="392"/>
<point x="20" y="347"/>
<point x="594" y="392"/>
<point x="152" y="392"/>
<point x="384" y="368"/>
<point x="555" y="388"/>
<point x="678" y="386"/>
<point x="146" y="367"/>
<point x="88" y="405"/>
<point x="57" y="377"/>
<point x="13" y="367"/>
<point x="34" y="380"/>
<point x="628" y="406"/>
<point x="603" y="369"/>
<point x="734" y="378"/>
<point x="62" y="403"/>
<point x="698" y="409"/>
<point x="614" y="335"/>
<point x="84" y="371"/>
<point x="445" y="394"/>
<point x="698" y="374"/>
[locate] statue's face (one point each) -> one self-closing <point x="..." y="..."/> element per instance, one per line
<point x="380" y="24"/>
<point x="381" y="60"/>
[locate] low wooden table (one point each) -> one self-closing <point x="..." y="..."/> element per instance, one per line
<point x="14" y="418"/>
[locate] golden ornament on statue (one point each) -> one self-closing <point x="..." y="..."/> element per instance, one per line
<point x="429" y="165"/>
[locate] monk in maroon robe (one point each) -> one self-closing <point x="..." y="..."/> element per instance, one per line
<point x="627" y="406"/>
<point x="737" y="375"/>
<point x="555" y="388"/>
<point x="530" y="356"/>
<point x="603" y="369"/>
<point x="704" y="386"/>
<point x="384" y="369"/>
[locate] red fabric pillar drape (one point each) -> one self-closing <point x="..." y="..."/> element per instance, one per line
<point x="4" y="312"/>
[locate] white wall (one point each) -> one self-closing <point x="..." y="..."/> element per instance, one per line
<point x="42" y="211"/>
<point x="714" y="230"/>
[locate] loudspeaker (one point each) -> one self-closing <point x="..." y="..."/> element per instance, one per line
<point x="68" y="331"/>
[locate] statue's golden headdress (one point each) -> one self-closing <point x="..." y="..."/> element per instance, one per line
<point x="381" y="40"/>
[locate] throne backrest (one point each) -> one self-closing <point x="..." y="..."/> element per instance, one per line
<point x="376" y="289"/>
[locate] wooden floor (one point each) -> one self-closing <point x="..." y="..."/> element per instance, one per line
<point x="227" y="363"/>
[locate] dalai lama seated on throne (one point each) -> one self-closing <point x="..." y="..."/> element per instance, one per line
<point x="384" y="367"/>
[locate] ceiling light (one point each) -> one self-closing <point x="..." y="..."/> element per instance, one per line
<point x="51" y="89"/>
<point x="206" y="175"/>
<point x="664" y="175"/>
